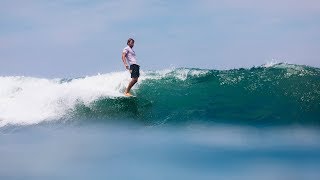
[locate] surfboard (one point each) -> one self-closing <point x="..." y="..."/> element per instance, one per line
<point x="132" y="96"/>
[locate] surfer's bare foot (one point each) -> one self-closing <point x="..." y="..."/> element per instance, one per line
<point x="127" y="94"/>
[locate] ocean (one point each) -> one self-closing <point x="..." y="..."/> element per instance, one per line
<point x="184" y="123"/>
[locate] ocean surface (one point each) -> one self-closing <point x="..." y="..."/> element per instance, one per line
<point x="184" y="123"/>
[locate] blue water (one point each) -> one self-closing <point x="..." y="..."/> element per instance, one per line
<point x="257" y="123"/>
<point x="128" y="151"/>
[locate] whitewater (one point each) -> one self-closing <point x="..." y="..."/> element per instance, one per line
<point x="28" y="100"/>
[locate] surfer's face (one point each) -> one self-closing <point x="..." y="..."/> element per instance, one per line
<point x="131" y="43"/>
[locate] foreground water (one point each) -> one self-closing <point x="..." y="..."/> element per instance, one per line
<point x="129" y="151"/>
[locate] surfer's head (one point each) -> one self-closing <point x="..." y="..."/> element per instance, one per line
<point x="130" y="42"/>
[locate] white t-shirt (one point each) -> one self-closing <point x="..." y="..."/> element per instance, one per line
<point x="130" y="55"/>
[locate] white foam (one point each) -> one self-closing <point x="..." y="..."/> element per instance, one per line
<point x="271" y="63"/>
<point x="180" y="73"/>
<point x="28" y="100"/>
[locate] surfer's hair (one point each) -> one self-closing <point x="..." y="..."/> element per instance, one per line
<point x="130" y="39"/>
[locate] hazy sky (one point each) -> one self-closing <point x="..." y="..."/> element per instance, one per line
<point x="71" y="38"/>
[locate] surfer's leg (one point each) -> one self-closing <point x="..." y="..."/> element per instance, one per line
<point x="133" y="82"/>
<point x="134" y="75"/>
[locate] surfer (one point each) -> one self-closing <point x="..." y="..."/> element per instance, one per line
<point x="128" y="55"/>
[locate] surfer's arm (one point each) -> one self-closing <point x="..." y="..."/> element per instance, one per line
<point x="125" y="60"/>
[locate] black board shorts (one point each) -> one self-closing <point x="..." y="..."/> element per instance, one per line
<point x="135" y="70"/>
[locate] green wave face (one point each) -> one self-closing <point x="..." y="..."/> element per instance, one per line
<point x="280" y="94"/>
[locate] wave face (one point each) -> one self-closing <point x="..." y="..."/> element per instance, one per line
<point x="267" y="95"/>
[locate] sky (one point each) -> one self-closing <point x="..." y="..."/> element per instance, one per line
<point x="76" y="38"/>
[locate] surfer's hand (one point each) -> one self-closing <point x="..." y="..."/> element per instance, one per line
<point x="127" y="67"/>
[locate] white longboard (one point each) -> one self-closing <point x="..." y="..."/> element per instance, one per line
<point x="128" y="96"/>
